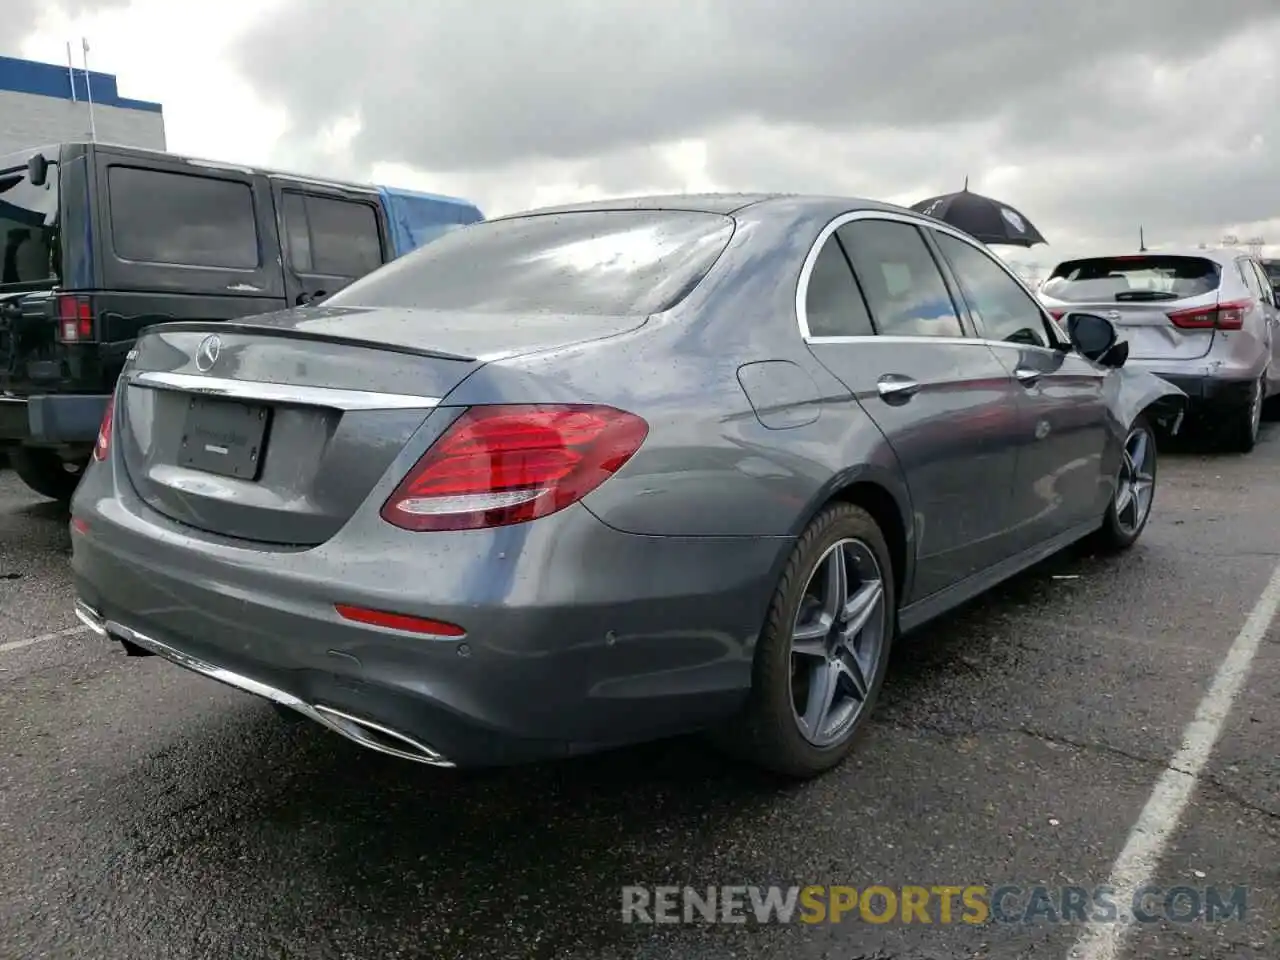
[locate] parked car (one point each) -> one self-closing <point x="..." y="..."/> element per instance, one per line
<point x="1204" y="320"/>
<point x="597" y="474"/>
<point x="101" y="241"/>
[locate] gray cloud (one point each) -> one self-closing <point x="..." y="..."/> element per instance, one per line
<point x="21" y="17"/>
<point x="453" y="83"/>
<point x="1091" y="116"/>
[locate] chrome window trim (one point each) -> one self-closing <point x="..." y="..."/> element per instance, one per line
<point x="806" y="270"/>
<point x="263" y="391"/>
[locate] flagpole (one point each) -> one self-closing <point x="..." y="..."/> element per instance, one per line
<point x="71" y="74"/>
<point x="88" y="89"/>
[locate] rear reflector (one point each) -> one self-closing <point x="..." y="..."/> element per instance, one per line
<point x="75" y="319"/>
<point x="399" y="621"/>
<point x="509" y="464"/>
<point x="103" y="446"/>
<point x="1222" y="316"/>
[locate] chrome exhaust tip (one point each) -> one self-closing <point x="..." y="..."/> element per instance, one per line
<point x="375" y="736"/>
<point x="92" y="619"/>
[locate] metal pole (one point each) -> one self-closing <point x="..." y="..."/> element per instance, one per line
<point x="88" y="89"/>
<point x="71" y="74"/>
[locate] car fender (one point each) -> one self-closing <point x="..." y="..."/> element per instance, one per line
<point x="1132" y="392"/>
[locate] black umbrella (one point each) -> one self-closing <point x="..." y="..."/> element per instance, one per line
<point x="990" y="221"/>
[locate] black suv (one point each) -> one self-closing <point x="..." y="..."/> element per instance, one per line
<point x="101" y="241"/>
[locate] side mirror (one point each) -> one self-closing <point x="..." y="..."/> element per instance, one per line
<point x="38" y="170"/>
<point x="1095" y="337"/>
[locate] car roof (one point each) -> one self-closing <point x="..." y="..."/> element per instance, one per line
<point x="305" y="178"/>
<point x="723" y="203"/>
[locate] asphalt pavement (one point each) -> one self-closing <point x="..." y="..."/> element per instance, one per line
<point x="1042" y="737"/>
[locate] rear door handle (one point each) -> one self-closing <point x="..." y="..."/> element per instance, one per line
<point x="894" y="386"/>
<point x="1026" y="376"/>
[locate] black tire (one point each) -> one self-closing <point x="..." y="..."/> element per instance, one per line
<point x="1245" y="423"/>
<point x="766" y="733"/>
<point x="46" y="473"/>
<point x="1114" y="536"/>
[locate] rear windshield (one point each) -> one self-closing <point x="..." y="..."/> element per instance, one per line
<point x="1132" y="278"/>
<point x="28" y="223"/>
<point x="593" y="262"/>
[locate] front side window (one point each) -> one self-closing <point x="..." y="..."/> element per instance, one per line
<point x="904" y="289"/>
<point x="1005" y="310"/>
<point x="179" y="218"/>
<point x="833" y="304"/>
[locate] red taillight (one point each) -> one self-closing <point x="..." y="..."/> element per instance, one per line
<point x="509" y="464"/>
<point x="1222" y="316"/>
<point x="399" y="621"/>
<point x="103" y="446"/>
<point x="75" y="319"/>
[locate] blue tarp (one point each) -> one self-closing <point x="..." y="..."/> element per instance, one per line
<point x="419" y="218"/>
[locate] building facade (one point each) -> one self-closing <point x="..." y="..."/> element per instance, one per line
<point x="42" y="104"/>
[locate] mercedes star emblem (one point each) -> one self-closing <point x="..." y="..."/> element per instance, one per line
<point x="207" y="353"/>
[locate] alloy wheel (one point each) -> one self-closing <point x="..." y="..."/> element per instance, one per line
<point x="837" y="642"/>
<point x="1136" y="485"/>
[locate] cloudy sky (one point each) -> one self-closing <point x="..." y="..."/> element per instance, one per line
<point x="1091" y="117"/>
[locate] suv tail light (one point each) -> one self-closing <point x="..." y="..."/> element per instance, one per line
<point x="500" y="465"/>
<point x="1223" y="316"/>
<point x="75" y="319"/>
<point x="103" y="446"/>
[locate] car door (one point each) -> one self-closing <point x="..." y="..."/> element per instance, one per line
<point x="879" y="315"/>
<point x="1060" y="480"/>
<point x="331" y="237"/>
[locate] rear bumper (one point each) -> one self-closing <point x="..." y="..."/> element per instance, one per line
<point x="1205" y="391"/>
<point x="578" y="637"/>
<point x="52" y="419"/>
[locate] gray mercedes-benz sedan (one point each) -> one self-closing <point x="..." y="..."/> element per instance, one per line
<point x="602" y="473"/>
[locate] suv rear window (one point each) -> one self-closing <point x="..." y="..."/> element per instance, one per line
<point x="28" y="223"/>
<point x="594" y="262"/>
<point x="1142" y="277"/>
<point x="159" y="217"/>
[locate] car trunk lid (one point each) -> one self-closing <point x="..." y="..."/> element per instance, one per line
<point x="1146" y="296"/>
<point x="275" y="429"/>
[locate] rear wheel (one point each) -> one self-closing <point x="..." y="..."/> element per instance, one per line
<point x="46" y="473"/>
<point x="1248" y="420"/>
<point x="822" y="656"/>
<point x="1135" y="488"/>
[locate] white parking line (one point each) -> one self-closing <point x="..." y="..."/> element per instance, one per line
<point x="19" y="644"/>
<point x="1159" y="818"/>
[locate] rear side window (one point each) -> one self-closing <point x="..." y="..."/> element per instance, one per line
<point x="833" y="304"/>
<point x="178" y="218"/>
<point x="594" y="262"/>
<point x="1134" y="278"/>
<point x="335" y="238"/>
<point x="905" y="291"/>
